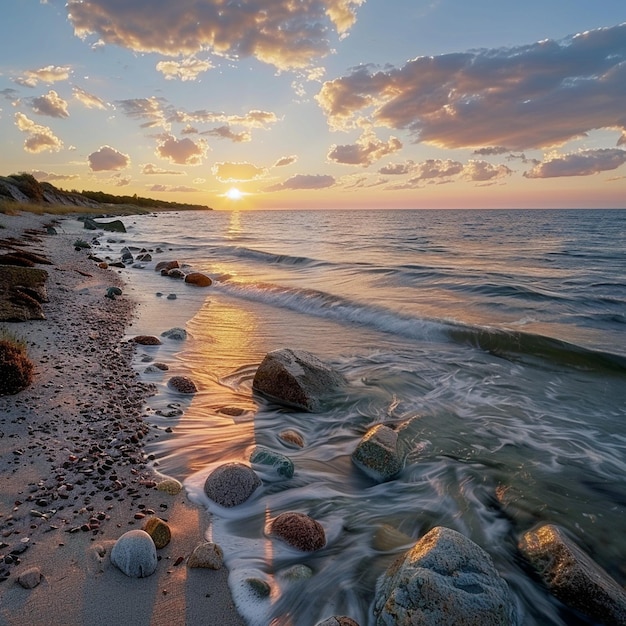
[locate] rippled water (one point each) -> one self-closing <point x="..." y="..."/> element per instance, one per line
<point x="498" y="336"/>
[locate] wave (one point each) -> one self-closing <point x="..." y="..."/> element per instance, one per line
<point x="270" y="257"/>
<point x="503" y="343"/>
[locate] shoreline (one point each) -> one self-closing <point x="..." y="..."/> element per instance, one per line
<point x="73" y="470"/>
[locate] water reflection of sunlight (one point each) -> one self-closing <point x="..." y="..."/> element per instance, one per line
<point x="234" y="225"/>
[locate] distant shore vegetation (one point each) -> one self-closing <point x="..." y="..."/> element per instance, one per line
<point x="23" y="192"/>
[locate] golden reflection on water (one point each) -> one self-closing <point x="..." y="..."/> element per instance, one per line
<point x="234" y="225"/>
<point x="217" y="425"/>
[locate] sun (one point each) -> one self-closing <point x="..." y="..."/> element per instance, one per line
<point x="234" y="194"/>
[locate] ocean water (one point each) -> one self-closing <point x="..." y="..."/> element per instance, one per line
<point x="499" y="336"/>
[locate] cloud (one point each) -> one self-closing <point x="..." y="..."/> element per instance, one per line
<point x="150" y="169"/>
<point x="367" y="149"/>
<point x="533" y="96"/>
<point x="437" y="168"/>
<point x="583" y="163"/>
<point x="187" y="69"/>
<point x="40" y="138"/>
<point x="305" y="181"/>
<point x="151" y="109"/>
<point x="397" y="169"/>
<point x="481" y="171"/>
<point x="490" y="151"/>
<point x="181" y="151"/>
<point x="287" y="160"/>
<point x="49" y="177"/>
<point x="252" y="119"/>
<point x="88" y="99"/>
<point x="9" y="94"/>
<point x="237" y="172"/>
<point x="48" y="74"/>
<point x="121" y="181"/>
<point x="50" y="104"/>
<point x="172" y="188"/>
<point x="282" y="33"/>
<point x="107" y="159"/>
<point x="224" y="132"/>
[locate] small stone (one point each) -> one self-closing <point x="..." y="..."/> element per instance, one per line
<point x="134" y="553"/>
<point x="198" y="279"/>
<point x="291" y="438"/>
<point x="206" y="555"/>
<point x="231" y="484"/>
<point x="182" y="384"/>
<point x="30" y="578"/>
<point x="171" y="296"/>
<point x="377" y="453"/>
<point x="280" y="464"/>
<point x="260" y="587"/>
<point x="298" y="571"/>
<point x="170" y="485"/>
<point x="299" y="531"/>
<point x="159" y="531"/>
<point x="147" y="340"/>
<point x="177" y="334"/>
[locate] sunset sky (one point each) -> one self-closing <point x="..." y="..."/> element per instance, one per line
<point x="320" y="103"/>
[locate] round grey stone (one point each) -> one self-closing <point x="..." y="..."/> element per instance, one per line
<point x="231" y="484"/>
<point x="134" y="553"/>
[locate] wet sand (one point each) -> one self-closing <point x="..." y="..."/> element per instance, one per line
<point x="73" y="472"/>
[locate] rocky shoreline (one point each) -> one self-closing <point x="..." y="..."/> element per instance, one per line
<point x="74" y="473"/>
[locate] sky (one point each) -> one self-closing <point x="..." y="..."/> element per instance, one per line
<point x="320" y="103"/>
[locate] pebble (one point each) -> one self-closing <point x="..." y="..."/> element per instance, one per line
<point x="159" y="531"/>
<point x="30" y="578"/>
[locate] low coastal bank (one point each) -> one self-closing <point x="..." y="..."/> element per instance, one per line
<point x="73" y="472"/>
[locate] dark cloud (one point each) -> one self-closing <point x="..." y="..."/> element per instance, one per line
<point x="583" y="163"/>
<point x="181" y="151"/>
<point x="532" y="96"/>
<point x="225" y="132"/>
<point x="49" y="177"/>
<point x="283" y="33"/>
<point x="154" y="110"/>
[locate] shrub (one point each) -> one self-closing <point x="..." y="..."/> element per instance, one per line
<point x="16" y="369"/>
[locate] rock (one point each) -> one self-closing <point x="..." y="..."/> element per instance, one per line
<point x="127" y="255"/>
<point x="207" y="555"/>
<point x="295" y="572"/>
<point x="112" y="292"/>
<point x="166" y="265"/>
<point x="159" y="531"/>
<point x="171" y="296"/>
<point x="198" y="279"/>
<point x="259" y="587"/>
<point x="377" y="453"/>
<point x="299" y="531"/>
<point x="291" y="438"/>
<point x="116" y="226"/>
<point x="30" y="578"/>
<point x="177" y="334"/>
<point x="22" y="290"/>
<point x="134" y="553"/>
<point x="572" y="576"/>
<point x="280" y="464"/>
<point x="145" y="257"/>
<point x="182" y="384"/>
<point x="338" y="620"/>
<point x="295" y="378"/>
<point x="170" y="485"/>
<point x="174" y="273"/>
<point x="147" y="340"/>
<point x="444" y="579"/>
<point x="231" y="484"/>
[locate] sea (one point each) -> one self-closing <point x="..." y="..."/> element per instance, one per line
<point x="497" y="336"/>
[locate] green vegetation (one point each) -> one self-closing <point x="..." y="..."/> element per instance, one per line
<point x="43" y="198"/>
<point x="81" y="243"/>
<point x="16" y="369"/>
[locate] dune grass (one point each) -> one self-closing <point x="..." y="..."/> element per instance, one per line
<point x="11" y="207"/>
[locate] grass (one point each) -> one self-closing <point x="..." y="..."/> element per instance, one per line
<point x="11" y="207"/>
<point x="16" y="369"/>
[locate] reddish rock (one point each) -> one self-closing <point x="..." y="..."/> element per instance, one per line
<point x="299" y="531"/>
<point x="147" y="340"/>
<point x="182" y="384"/>
<point x="198" y="279"/>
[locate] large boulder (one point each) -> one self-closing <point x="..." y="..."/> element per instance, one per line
<point x="198" y="279"/>
<point x="231" y="484"/>
<point x="299" y="531"/>
<point x="444" y="580"/>
<point x="377" y="453"/>
<point x="135" y="554"/>
<point x="572" y="576"/>
<point x="295" y="378"/>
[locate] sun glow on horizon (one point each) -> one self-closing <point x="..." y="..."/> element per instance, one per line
<point x="234" y="194"/>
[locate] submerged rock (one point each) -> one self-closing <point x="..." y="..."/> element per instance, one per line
<point x="377" y="453"/>
<point x="572" y="576"/>
<point x="295" y="378"/>
<point x="299" y="531"/>
<point x="177" y="334"/>
<point x="445" y="579"/>
<point x="281" y="464"/>
<point x="231" y="484"/>
<point x="166" y="265"/>
<point x="291" y="438"/>
<point x="182" y="384"/>
<point x="147" y="340"/>
<point x="134" y="553"/>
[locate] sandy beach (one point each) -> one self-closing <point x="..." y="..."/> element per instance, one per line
<point x="73" y="473"/>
